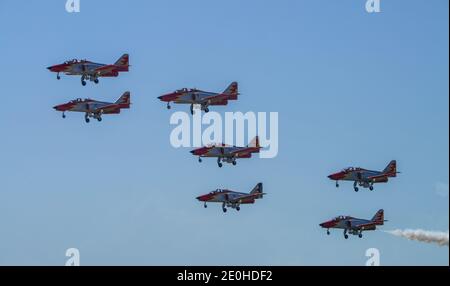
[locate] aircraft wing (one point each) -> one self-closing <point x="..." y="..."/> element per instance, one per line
<point x="245" y="198"/>
<point x="105" y="69"/>
<point x="360" y="226"/>
<point x="215" y="98"/>
<point x="372" y="178"/>
<point x="243" y="153"/>
<point x="111" y="108"/>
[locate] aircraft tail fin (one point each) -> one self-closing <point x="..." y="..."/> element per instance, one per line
<point x="254" y="142"/>
<point x="391" y="169"/>
<point x="124" y="100"/>
<point x="232" y="91"/>
<point x="379" y="217"/>
<point x="123" y="61"/>
<point x="258" y="189"/>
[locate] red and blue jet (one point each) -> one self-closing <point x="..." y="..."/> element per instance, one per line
<point x="200" y="97"/>
<point x="365" y="178"/>
<point x="91" y="71"/>
<point x="93" y="108"/>
<point x="232" y="199"/>
<point x="227" y="154"/>
<point x="353" y="225"/>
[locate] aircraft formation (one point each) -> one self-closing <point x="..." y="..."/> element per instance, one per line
<point x="225" y="154"/>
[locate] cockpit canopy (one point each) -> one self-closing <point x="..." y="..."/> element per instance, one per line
<point x="74" y="61"/>
<point x="186" y="90"/>
<point x="341" y="217"/>
<point x="217" y="145"/>
<point x="351" y="169"/>
<point x="76" y="100"/>
<point x="217" y="191"/>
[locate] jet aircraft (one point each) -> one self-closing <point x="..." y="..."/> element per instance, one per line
<point x="227" y="154"/>
<point x="365" y="178"/>
<point x="93" y="108"/>
<point x="353" y="225"/>
<point x="90" y="70"/>
<point x="199" y="97"/>
<point x="231" y="198"/>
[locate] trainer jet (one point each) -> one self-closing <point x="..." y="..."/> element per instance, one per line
<point x="365" y="178"/>
<point x="91" y="71"/>
<point x="227" y="154"/>
<point x="232" y="199"/>
<point x="353" y="225"/>
<point x="93" y="108"/>
<point x="202" y="98"/>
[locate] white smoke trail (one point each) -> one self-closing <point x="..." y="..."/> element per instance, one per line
<point x="438" y="237"/>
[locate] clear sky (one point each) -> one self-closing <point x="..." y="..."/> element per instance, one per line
<point x="351" y="89"/>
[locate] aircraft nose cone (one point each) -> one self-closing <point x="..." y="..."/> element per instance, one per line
<point x="164" y="97"/>
<point x="199" y="151"/>
<point x="334" y="176"/>
<point x="61" y="107"/>
<point x="168" y="97"/>
<point x="201" y="198"/>
<point x="196" y="152"/>
<point x="327" y="224"/>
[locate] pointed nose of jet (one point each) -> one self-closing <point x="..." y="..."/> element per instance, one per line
<point x="163" y="97"/>
<point x="336" y="176"/>
<point x="324" y="225"/>
<point x="52" y="68"/>
<point x="195" y="152"/>
<point x="63" y="107"/>
<point x="59" y="68"/>
<point x="169" y="97"/>
<point x="327" y="224"/>
<point x="203" y="198"/>
<point x="199" y="151"/>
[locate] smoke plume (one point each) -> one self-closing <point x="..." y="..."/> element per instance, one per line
<point x="437" y="237"/>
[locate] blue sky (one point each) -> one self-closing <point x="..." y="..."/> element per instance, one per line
<point x="351" y="88"/>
